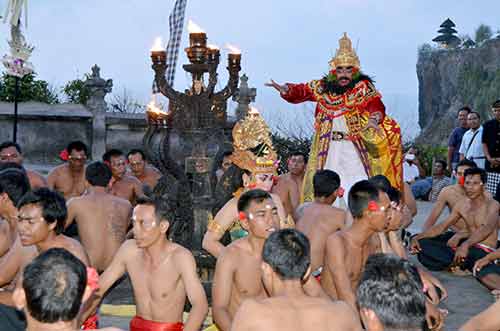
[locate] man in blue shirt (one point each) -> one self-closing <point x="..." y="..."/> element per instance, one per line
<point x="456" y="138"/>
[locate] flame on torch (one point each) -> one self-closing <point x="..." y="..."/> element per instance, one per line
<point x="233" y="49"/>
<point x="157" y="45"/>
<point x="194" y="28"/>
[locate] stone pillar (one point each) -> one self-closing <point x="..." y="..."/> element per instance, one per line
<point x="243" y="96"/>
<point x="98" y="88"/>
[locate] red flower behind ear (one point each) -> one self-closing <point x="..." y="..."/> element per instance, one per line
<point x="461" y="180"/>
<point x="251" y="186"/>
<point x="64" y="155"/>
<point x="242" y="216"/>
<point x="108" y="164"/>
<point x="340" y="192"/>
<point x="373" y="206"/>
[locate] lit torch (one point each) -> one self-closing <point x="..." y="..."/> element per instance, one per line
<point x="234" y="56"/>
<point x="158" y="52"/>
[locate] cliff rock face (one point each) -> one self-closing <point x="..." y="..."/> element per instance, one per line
<point x="450" y="79"/>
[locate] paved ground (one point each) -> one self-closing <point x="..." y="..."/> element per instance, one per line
<point x="466" y="296"/>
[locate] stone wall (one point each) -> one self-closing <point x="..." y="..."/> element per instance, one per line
<point x="44" y="130"/>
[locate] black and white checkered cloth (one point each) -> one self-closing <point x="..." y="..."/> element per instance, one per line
<point x="176" y="23"/>
<point x="492" y="182"/>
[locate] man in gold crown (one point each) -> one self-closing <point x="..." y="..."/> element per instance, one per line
<point x="354" y="137"/>
<point x="254" y="154"/>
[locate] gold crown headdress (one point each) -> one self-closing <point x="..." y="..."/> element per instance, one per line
<point x="253" y="147"/>
<point x="345" y="56"/>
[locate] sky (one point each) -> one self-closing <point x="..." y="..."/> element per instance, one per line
<point x="289" y="41"/>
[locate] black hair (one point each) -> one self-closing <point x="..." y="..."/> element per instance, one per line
<point x="15" y="183"/>
<point x="111" y="153"/>
<point x="163" y="208"/>
<point x="52" y="204"/>
<point x="98" y="174"/>
<point x="136" y="151"/>
<point x="477" y="171"/>
<point x="443" y="163"/>
<point x="381" y="182"/>
<point x="252" y="195"/>
<point x="496" y="104"/>
<point x="464" y="108"/>
<point x="227" y="153"/>
<point x="467" y="162"/>
<point x="7" y="144"/>
<point x="78" y="146"/>
<point x="325" y="182"/>
<point x="360" y="195"/>
<point x="300" y="153"/>
<point x="54" y="283"/>
<point x="392" y="289"/>
<point x="288" y="252"/>
<point x="476" y="113"/>
<point x="394" y="195"/>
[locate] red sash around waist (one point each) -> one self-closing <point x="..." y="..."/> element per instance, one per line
<point x="140" y="324"/>
<point x="91" y="323"/>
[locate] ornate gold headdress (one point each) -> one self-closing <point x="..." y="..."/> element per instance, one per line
<point x="345" y="56"/>
<point x="253" y="147"/>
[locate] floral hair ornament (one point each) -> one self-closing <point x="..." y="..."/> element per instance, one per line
<point x="373" y="206"/>
<point x="242" y="216"/>
<point x="461" y="180"/>
<point x="340" y="192"/>
<point x="64" y="155"/>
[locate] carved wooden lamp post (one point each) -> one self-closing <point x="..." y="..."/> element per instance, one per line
<point x="183" y="141"/>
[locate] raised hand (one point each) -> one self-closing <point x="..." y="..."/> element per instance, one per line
<point x="278" y="87"/>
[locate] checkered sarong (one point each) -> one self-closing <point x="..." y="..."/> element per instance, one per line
<point x="492" y="182"/>
<point x="176" y="23"/>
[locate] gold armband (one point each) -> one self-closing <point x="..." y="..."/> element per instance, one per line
<point x="213" y="226"/>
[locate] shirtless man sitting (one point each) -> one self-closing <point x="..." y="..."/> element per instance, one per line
<point x="54" y="285"/>
<point x="69" y="178"/>
<point x="480" y="213"/>
<point x="42" y="214"/>
<point x="122" y="184"/>
<point x="289" y="186"/>
<point x="347" y="250"/>
<point x="162" y="273"/>
<point x="141" y="169"/>
<point x="286" y="263"/>
<point x="390" y="296"/>
<point x="13" y="185"/>
<point x="319" y="218"/>
<point x="238" y="271"/>
<point x="11" y="152"/>
<point x="228" y="216"/>
<point x="102" y="218"/>
<point x="449" y="197"/>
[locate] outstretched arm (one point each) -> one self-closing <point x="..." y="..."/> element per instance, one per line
<point x="295" y="93"/>
<point x="218" y="226"/>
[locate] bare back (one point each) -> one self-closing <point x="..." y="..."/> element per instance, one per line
<point x="64" y="181"/>
<point x="296" y="314"/>
<point x="289" y="192"/>
<point x="318" y="221"/>
<point x="102" y="221"/>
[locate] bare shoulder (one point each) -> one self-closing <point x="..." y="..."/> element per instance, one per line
<point x="119" y="201"/>
<point x="150" y="170"/>
<point x="76" y="248"/>
<point x="180" y="253"/>
<point x="133" y="180"/>
<point x="233" y="251"/>
<point x="276" y="198"/>
<point x="59" y="170"/>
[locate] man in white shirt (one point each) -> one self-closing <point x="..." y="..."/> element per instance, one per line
<point x="410" y="169"/>
<point x="471" y="147"/>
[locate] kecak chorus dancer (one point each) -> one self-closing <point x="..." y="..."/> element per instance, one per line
<point x="354" y="137"/>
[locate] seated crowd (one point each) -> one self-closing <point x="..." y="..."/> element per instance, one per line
<point x="66" y="240"/>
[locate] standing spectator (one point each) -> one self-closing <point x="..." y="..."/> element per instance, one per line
<point x="491" y="148"/>
<point x="456" y="138"/>
<point x="471" y="147"/>
<point x="226" y="163"/>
